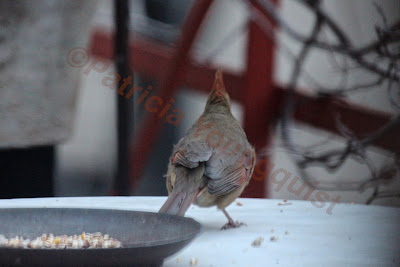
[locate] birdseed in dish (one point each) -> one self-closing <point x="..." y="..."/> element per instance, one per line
<point x="82" y="241"/>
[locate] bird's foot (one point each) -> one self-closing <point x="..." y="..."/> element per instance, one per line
<point x="231" y="225"/>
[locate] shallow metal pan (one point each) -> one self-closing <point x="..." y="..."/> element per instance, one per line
<point x="148" y="238"/>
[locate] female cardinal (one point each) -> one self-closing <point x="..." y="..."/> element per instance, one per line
<point x="213" y="163"/>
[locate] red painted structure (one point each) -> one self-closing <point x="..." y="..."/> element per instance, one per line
<point x="262" y="99"/>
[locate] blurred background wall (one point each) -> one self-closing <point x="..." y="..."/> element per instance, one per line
<point x="38" y="89"/>
<point x="86" y="163"/>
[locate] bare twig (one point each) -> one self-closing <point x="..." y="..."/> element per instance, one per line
<point x="288" y="111"/>
<point x="379" y="57"/>
<point x="344" y="47"/>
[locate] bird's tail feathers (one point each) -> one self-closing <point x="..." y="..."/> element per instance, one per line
<point x="187" y="185"/>
<point x="179" y="202"/>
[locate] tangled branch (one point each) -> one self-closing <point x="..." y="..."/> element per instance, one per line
<point x="380" y="58"/>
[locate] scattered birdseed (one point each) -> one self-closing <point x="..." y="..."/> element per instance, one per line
<point x="84" y="240"/>
<point x="239" y="203"/>
<point x="284" y="204"/>
<point x="273" y="239"/>
<point x="178" y="260"/>
<point x="286" y="232"/>
<point x="194" y="261"/>
<point x="258" y="242"/>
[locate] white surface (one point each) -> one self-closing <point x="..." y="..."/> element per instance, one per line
<point x="354" y="235"/>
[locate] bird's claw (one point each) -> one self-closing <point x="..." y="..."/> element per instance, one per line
<point x="231" y="225"/>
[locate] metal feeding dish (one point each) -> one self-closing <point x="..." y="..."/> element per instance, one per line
<point x="147" y="238"/>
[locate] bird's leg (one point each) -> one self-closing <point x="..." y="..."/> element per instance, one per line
<point x="231" y="223"/>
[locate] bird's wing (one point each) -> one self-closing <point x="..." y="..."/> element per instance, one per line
<point x="190" y="153"/>
<point x="228" y="173"/>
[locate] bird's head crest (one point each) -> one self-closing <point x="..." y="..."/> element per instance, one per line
<point x="218" y="94"/>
